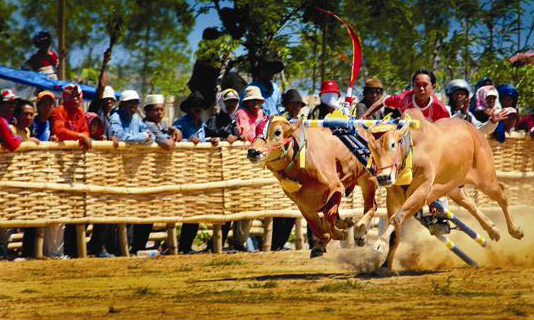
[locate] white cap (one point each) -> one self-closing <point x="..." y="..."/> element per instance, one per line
<point x="128" y="95"/>
<point x="109" y="93"/>
<point x="154" y="99"/>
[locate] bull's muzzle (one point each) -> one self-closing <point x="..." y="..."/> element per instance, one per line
<point x="254" y="155"/>
<point x="384" y="180"/>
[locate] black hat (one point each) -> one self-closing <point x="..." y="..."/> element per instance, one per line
<point x="270" y="62"/>
<point x="292" y="95"/>
<point x="195" y="99"/>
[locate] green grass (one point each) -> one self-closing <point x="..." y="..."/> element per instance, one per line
<point x="5" y="296"/>
<point x="338" y="286"/>
<point x="265" y="285"/>
<point x="224" y="262"/>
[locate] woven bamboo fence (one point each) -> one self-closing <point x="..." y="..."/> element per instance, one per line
<point x="60" y="183"/>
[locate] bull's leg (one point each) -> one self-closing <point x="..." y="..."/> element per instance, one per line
<point x="369" y="187"/>
<point x="322" y="236"/>
<point x="496" y="193"/>
<point x="390" y="239"/>
<point x="459" y="196"/>
<point x="332" y="221"/>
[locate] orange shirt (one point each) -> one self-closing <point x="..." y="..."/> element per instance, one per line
<point x="66" y="124"/>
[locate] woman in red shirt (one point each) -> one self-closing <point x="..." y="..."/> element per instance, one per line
<point x="420" y="97"/>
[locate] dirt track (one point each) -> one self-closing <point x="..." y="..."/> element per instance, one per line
<point x="281" y="285"/>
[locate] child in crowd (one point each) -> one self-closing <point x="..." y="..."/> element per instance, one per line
<point x="42" y="124"/>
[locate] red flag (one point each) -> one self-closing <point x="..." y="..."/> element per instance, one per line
<point x="356" y="47"/>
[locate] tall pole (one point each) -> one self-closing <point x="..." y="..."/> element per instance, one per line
<point x="61" y="29"/>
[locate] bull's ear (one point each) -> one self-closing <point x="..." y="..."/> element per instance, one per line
<point x="294" y="126"/>
<point x="370" y="139"/>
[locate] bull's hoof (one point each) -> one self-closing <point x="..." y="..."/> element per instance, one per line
<point x="380" y="246"/>
<point x="317" y="252"/>
<point x="516" y="232"/>
<point x="494" y="234"/>
<point x="361" y="242"/>
<point x="344" y="223"/>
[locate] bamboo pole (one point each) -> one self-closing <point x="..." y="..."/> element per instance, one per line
<point x="123" y="240"/>
<point x="267" y="234"/>
<point x="299" y="239"/>
<point x="39" y="242"/>
<point x="80" y="241"/>
<point x="96" y="189"/>
<point x="217" y="239"/>
<point x="172" y="240"/>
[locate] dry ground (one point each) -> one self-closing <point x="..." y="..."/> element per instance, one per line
<point x="432" y="284"/>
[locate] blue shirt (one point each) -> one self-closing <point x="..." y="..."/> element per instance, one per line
<point x="187" y="125"/>
<point x="272" y="95"/>
<point x="129" y="129"/>
<point x="41" y="130"/>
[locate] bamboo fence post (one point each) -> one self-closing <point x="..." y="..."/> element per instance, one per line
<point x="172" y="240"/>
<point x="267" y="234"/>
<point x="123" y="240"/>
<point x="299" y="239"/>
<point x="39" y="242"/>
<point x="80" y="241"/>
<point x="217" y="238"/>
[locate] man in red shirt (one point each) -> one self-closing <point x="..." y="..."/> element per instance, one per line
<point x="420" y="97"/>
<point x="45" y="60"/>
<point x="68" y="119"/>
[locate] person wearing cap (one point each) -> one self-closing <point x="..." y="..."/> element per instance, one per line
<point x="45" y="60"/>
<point x="193" y="107"/>
<point x="372" y="92"/>
<point x="8" y="104"/>
<point x="223" y="124"/>
<point x="262" y="76"/>
<point x="68" y="119"/>
<point x="250" y="115"/>
<point x="165" y="135"/>
<point x="126" y="124"/>
<point x="421" y="97"/>
<point x="458" y="92"/>
<point x="46" y="102"/>
<point x="103" y="107"/>
<point x="329" y="96"/>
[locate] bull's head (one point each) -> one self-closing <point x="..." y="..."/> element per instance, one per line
<point x="387" y="153"/>
<point x="275" y="141"/>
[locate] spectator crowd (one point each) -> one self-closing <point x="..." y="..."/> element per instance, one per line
<point x="493" y="109"/>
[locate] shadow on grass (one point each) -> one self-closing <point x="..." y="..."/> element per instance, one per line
<point x="287" y="276"/>
<point x="385" y="274"/>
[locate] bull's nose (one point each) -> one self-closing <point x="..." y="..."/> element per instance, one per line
<point x="384" y="179"/>
<point x="253" y="153"/>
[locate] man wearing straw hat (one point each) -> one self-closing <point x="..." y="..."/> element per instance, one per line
<point x="372" y="92"/>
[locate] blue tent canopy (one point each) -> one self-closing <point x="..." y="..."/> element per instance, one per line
<point x="39" y="80"/>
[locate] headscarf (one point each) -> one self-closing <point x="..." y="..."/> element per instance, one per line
<point x="483" y="93"/>
<point x="228" y="94"/>
<point x="89" y="117"/>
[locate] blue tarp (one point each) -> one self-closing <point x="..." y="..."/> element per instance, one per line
<point x="39" y="80"/>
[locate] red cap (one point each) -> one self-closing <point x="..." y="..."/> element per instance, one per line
<point x="330" y="86"/>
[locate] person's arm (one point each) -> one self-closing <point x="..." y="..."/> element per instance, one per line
<point x="118" y="130"/>
<point x="160" y="138"/>
<point x="103" y="77"/>
<point x="373" y="108"/>
<point x="8" y="140"/>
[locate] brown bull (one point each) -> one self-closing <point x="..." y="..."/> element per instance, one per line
<point x="447" y="155"/>
<point x="330" y="172"/>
